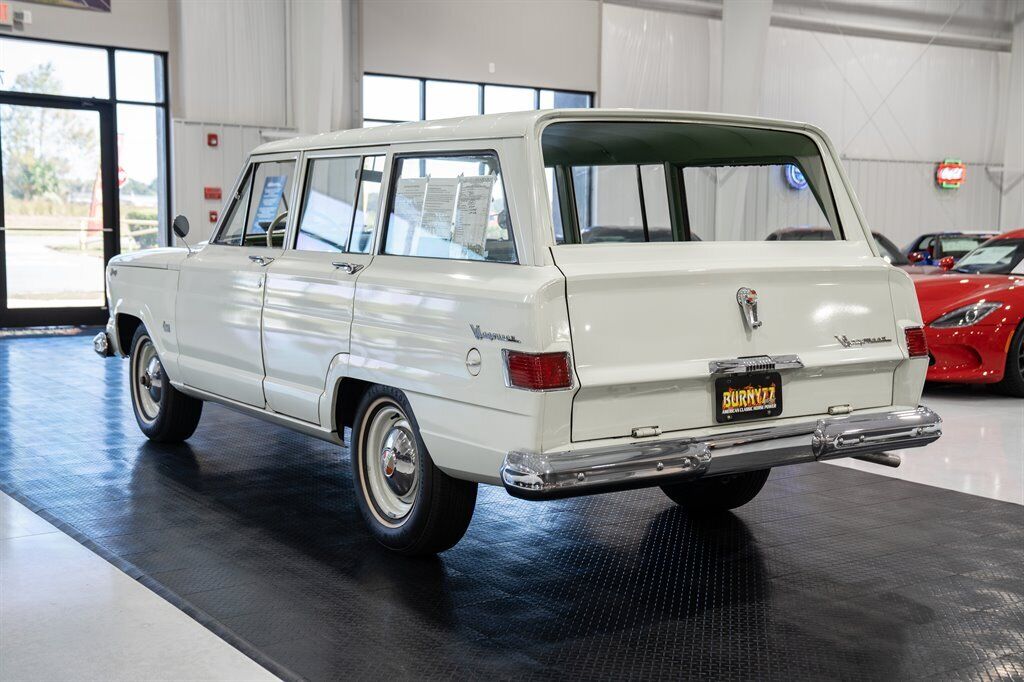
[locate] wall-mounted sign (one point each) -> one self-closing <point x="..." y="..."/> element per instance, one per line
<point x="794" y="176"/>
<point x="950" y="174"/>
<point x="93" y="5"/>
<point x="211" y="193"/>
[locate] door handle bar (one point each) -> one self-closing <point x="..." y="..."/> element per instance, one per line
<point x="261" y="260"/>
<point x="350" y="268"/>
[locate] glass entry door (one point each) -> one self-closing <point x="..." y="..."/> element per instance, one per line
<point x="58" y="211"/>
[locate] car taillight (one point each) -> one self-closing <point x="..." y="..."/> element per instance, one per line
<point x="538" y="371"/>
<point x="917" y="344"/>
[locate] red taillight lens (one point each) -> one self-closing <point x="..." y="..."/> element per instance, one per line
<point x="538" y="371"/>
<point x="917" y="344"/>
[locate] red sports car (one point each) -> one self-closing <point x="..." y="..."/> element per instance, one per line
<point x="974" y="316"/>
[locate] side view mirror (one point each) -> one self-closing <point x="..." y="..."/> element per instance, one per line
<point x="915" y="256"/>
<point x="947" y="263"/>
<point x="180" y="227"/>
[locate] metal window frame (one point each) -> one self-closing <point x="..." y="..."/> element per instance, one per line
<point x="396" y="168"/>
<point x="107" y="106"/>
<point x="481" y="87"/>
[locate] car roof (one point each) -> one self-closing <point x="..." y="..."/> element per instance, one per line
<point x="1012" y="234"/>
<point x="493" y="126"/>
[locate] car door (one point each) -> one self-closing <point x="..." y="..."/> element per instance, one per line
<point x="310" y="288"/>
<point x="220" y="287"/>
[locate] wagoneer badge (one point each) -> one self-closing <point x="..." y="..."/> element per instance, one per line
<point x="492" y="336"/>
<point x="747" y="298"/>
<point x="850" y="343"/>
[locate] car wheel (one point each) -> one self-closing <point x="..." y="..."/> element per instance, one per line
<point x="718" y="493"/>
<point x="410" y="505"/>
<point x="165" y="414"/>
<point x="1013" y="378"/>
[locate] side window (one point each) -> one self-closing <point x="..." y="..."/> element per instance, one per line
<point x="367" y="204"/>
<point x="234" y="226"/>
<point x="268" y="203"/>
<point x="449" y="207"/>
<point x="329" y="204"/>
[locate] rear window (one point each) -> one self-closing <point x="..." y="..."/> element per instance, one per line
<point x="646" y="181"/>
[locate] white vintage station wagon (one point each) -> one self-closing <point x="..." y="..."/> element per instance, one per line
<point x="560" y="302"/>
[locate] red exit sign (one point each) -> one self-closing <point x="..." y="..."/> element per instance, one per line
<point x="211" y="193"/>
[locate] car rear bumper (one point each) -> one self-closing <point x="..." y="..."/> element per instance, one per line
<point x="638" y="464"/>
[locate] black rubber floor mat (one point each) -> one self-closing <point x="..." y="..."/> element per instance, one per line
<point x="829" y="573"/>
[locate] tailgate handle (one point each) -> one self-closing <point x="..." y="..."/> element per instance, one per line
<point x="754" y="363"/>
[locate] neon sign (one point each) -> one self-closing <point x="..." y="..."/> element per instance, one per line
<point x="950" y="174"/>
<point x="794" y="176"/>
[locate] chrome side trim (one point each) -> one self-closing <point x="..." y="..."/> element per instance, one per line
<point x="537" y="476"/>
<point x="265" y="414"/>
<point x="755" y="363"/>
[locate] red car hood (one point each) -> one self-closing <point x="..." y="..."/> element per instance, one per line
<point x="940" y="294"/>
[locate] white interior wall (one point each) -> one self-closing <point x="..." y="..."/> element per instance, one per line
<point x="901" y="200"/>
<point x="143" y="25"/>
<point x="946" y="102"/>
<point x="197" y="165"/>
<point x="552" y="44"/>
<point x="946" y="105"/>
<point x="232" y="62"/>
<point x="659" y="60"/>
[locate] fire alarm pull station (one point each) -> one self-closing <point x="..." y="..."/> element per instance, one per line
<point x="213" y="216"/>
<point x="212" y="140"/>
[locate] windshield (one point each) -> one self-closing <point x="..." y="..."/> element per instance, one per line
<point x="997" y="257"/>
<point x="644" y="181"/>
<point x="960" y="245"/>
<point x="889" y="251"/>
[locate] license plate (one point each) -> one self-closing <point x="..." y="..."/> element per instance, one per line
<point x="748" y="396"/>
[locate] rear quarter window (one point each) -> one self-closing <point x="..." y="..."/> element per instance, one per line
<point x="449" y="206"/>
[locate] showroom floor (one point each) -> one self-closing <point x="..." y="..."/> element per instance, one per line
<point x="831" y="572"/>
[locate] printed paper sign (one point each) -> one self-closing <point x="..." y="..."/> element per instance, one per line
<point x="409" y="200"/>
<point x="472" y="211"/>
<point x="439" y="207"/>
<point x="270" y="199"/>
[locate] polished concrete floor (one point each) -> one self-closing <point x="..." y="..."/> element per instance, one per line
<point x="66" y="614"/>
<point x="251" y="530"/>
<point x="981" y="451"/>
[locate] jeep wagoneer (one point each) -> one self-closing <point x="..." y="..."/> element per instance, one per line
<point x="559" y="302"/>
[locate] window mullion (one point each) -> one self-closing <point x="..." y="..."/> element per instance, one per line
<point x="643" y="204"/>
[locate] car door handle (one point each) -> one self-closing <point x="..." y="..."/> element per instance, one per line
<point x="350" y="268"/>
<point x="261" y="260"/>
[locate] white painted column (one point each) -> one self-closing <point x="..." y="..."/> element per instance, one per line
<point x="744" y="36"/>
<point x="323" y="46"/>
<point x="1011" y="209"/>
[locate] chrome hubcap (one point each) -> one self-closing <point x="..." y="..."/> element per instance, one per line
<point x="390" y="463"/>
<point x="148" y="384"/>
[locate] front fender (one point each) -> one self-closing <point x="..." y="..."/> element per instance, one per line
<point x="147" y="294"/>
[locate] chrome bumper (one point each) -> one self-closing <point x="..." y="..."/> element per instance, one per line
<point x="101" y="344"/>
<point x="638" y="464"/>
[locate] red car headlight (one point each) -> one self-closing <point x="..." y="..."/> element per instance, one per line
<point x="967" y="315"/>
